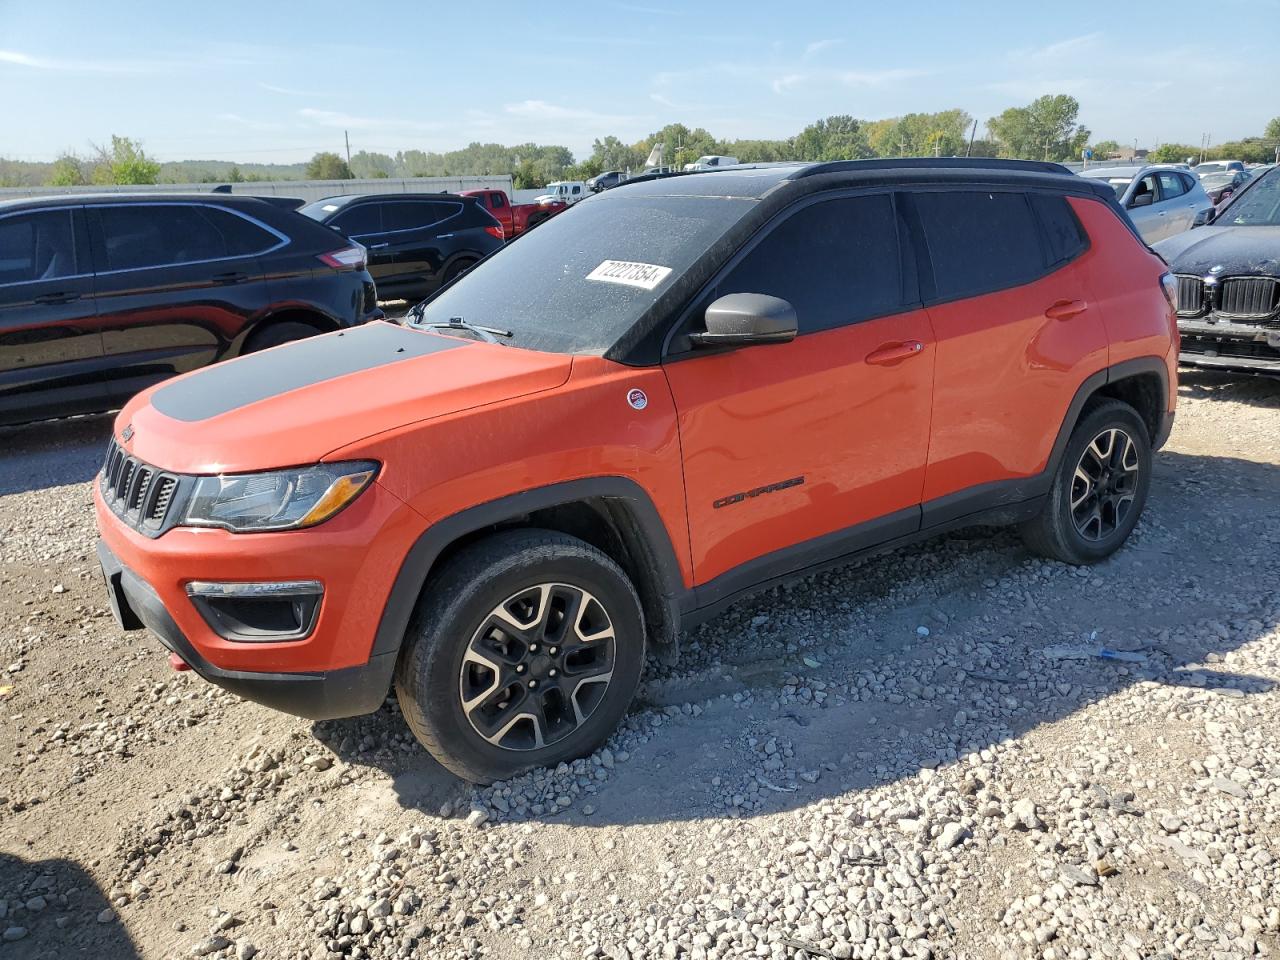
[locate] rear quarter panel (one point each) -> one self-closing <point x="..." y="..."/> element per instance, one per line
<point x="1123" y="280"/>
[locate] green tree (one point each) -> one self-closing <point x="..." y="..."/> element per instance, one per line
<point x="67" y="171"/>
<point x="1104" y="149"/>
<point x="1045" y="129"/>
<point x="1172" y="153"/>
<point x="1272" y="132"/>
<point x="234" y="175"/>
<point x="365" y="165"/>
<point x="125" y="163"/>
<point x="328" y="166"/>
<point x="835" y="138"/>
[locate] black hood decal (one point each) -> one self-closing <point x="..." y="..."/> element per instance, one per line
<point x="260" y="376"/>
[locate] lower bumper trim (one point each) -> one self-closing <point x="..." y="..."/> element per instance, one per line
<point x="327" y="695"/>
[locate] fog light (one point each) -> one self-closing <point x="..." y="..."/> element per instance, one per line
<point x="258" y="612"/>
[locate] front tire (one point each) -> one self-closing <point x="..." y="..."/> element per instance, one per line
<point x="1099" y="490"/>
<point x="279" y="333"/>
<point x="525" y="651"/>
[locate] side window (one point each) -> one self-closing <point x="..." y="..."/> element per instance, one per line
<point x="37" y="246"/>
<point x="408" y="215"/>
<point x="577" y="190"/>
<point x="496" y="201"/>
<point x="836" y="262"/>
<point x="979" y="241"/>
<point x="1171" y="186"/>
<point x="1058" y="224"/>
<point x="358" y="220"/>
<point x="1146" y="186"/>
<point x="242" y="237"/>
<point x="157" y="235"/>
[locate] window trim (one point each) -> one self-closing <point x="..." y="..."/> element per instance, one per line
<point x="75" y="228"/>
<point x="908" y="267"/>
<point x="928" y="283"/>
<point x="98" y="235"/>
<point x="462" y="207"/>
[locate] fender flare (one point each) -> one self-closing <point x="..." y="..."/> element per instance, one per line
<point x="422" y="556"/>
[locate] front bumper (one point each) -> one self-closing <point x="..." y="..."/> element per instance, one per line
<point x="1230" y="346"/>
<point x="324" y="695"/>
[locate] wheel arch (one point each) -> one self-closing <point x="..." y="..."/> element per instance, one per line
<point x="311" y="316"/>
<point x="1142" y="382"/>
<point x="613" y="514"/>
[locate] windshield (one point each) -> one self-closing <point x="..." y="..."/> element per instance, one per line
<point x="581" y="280"/>
<point x="1210" y="168"/>
<point x="1211" y="181"/>
<point x="1259" y="206"/>
<point x="1119" y="184"/>
<point x="322" y="209"/>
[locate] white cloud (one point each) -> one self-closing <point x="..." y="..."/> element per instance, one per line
<point x="287" y="91"/>
<point x="542" y="110"/>
<point x="19" y="59"/>
<point x="819" y="45"/>
<point x="347" y="121"/>
<point x="1070" y="46"/>
<point x="783" y="84"/>
<point x="879" y="78"/>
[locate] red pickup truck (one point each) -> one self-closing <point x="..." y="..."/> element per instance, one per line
<point x="516" y="218"/>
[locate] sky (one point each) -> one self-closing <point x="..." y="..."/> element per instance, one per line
<point x="257" y="82"/>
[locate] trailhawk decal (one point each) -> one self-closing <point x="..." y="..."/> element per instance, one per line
<point x="646" y="276"/>
<point x="748" y="494"/>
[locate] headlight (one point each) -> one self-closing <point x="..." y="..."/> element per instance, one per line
<point x="277" y="499"/>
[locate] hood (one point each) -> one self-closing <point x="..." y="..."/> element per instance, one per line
<point x="295" y="404"/>
<point x="1237" y="250"/>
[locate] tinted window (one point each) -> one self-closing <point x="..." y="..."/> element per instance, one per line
<point x="541" y="290"/>
<point x="979" y="241"/>
<point x="359" y="219"/>
<point x="1171" y="186"/>
<point x="835" y="262"/>
<point x="157" y="235"/>
<point x="37" y="246"/>
<point x="1062" y="231"/>
<point x="413" y="214"/>
<point x="496" y="201"/>
<point x="242" y="237"/>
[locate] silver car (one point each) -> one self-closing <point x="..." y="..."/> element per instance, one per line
<point x="1161" y="201"/>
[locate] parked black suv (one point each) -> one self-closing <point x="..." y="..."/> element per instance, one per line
<point x="101" y="296"/>
<point x="417" y="242"/>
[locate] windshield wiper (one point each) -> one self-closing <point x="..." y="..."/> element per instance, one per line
<point x="487" y="334"/>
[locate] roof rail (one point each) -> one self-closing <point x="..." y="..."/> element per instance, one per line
<point x="934" y="163"/>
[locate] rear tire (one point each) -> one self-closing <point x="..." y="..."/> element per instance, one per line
<point x="1099" y="490"/>
<point x="524" y="651"/>
<point x="457" y="269"/>
<point x="278" y="334"/>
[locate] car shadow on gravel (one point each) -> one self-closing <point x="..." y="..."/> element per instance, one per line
<point x="1212" y="385"/>
<point x="52" y="454"/>
<point x="752" y="723"/>
<point x="55" y="909"/>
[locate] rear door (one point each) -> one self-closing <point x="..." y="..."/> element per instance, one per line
<point x="51" y="354"/>
<point x="408" y="252"/>
<point x="1017" y="335"/>
<point x="1177" y="204"/>
<point x="786" y="444"/>
<point x="177" y="284"/>
<point x="1150" y="218"/>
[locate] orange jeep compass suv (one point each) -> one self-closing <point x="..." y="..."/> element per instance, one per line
<point x="679" y="391"/>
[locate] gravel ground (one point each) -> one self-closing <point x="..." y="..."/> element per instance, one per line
<point x="915" y="757"/>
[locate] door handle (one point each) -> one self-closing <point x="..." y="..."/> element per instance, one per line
<point x="1066" y="309"/>
<point x="893" y="352"/>
<point x="232" y="277"/>
<point x="378" y="246"/>
<point x="443" y="236"/>
<point x="68" y="297"/>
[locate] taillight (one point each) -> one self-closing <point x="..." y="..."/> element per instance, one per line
<point x="1169" y="287"/>
<point x="347" y="258"/>
<point x="496" y="232"/>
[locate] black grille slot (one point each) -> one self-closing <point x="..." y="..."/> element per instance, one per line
<point x="160" y="502"/>
<point x="1249" y="298"/>
<point x="1190" y="296"/>
<point x="137" y="492"/>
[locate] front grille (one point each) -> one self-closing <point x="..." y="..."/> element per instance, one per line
<point x="1248" y="298"/>
<point x="1190" y="296"/>
<point x="136" y="492"/>
<point x="1228" y="347"/>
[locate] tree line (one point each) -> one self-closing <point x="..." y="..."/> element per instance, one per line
<point x="1048" y="128"/>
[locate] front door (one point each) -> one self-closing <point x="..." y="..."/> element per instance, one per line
<point x="798" y="452"/>
<point x="50" y="348"/>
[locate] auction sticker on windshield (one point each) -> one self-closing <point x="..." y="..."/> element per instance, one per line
<point x="646" y="276"/>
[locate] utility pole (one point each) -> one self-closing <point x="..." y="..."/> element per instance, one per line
<point x="973" y="133"/>
<point x="347" y="138"/>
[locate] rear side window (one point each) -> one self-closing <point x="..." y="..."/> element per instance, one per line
<point x="979" y="241"/>
<point x="1064" y="237"/>
<point x="242" y="237"/>
<point x="496" y="201"/>
<point x="38" y="246"/>
<point x="358" y="220"/>
<point x="158" y="235"/>
<point x="415" y="214"/>
<point x="1171" y="185"/>
<point x="836" y="262"/>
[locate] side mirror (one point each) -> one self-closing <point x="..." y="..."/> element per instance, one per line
<point x="743" y="319"/>
<point x="1142" y="200"/>
<point x="1204" y="218"/>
